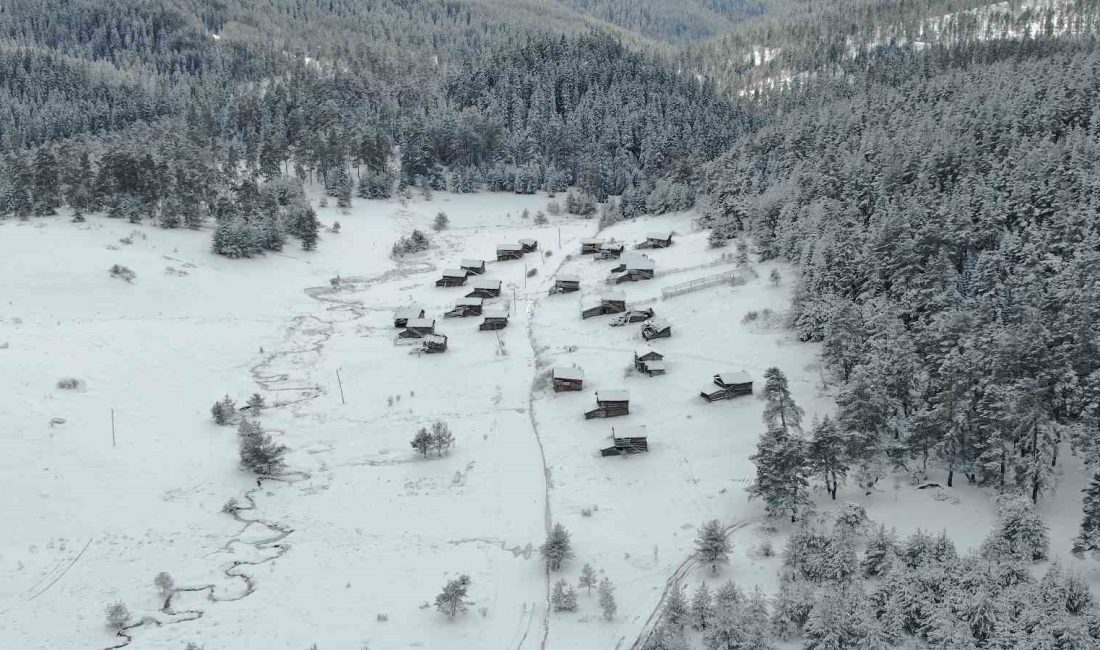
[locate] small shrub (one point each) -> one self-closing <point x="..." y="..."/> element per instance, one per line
<point x="750" y="316"/>
<point x="323" y="203"/>
<point x="540" y="218"/>
<point x="382" y="618"/>
<point x="165" y="584"/>
<point x="122" y="273"/>
<point x="775" y="278"/>
<point x="586" y="512"/>
<point x="526" y="214"/>
<point x="118" y="615"/>
<point x="766" y="549"/>
<point x="335" y="227"/>
<point x="442" y="221"/>
<point x="553" y="208"/>
<point x="230" y="506"/>
<point x="548" y="254"/>
<point x="532" y="272"/>
<point x="70" y="383"/>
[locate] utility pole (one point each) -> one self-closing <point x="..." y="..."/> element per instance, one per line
<point x="341" y="383"/>
<point x="559" y="238"/>
<point x="113" y="440"/>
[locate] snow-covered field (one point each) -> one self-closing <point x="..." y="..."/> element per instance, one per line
<point x="352" y="547"/>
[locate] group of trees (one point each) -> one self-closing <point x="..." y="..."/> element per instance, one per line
<point x="438" y="439"/>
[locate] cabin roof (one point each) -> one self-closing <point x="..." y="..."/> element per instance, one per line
<point x="613" y="395"/>
<point x="568" y="373"/>
<point x="471" y="262"/>
<point x="408" y="312"/>
<point x="640" y="265"/>
<point x="528" y="241"/>
<point x="711" y="389"/>
<point x="658" y="324"/>
<point x="566" y="277"/>
<point x="454" y="273"/>
<point x="651" y="354"/>
<point x="630" y="431"/>
<point x="592" y="241"/>
<point x="496" y="312"/>
<point x="420" y="322"/>
<point x="469" y="302"/>
<point x="486" y="283"/>
<point x="509" y="247"/>
<point x="731" y="377"/>
<point x="663" y="235"/>
<point x="435" y="338"/>
<point x="612" y="246"/>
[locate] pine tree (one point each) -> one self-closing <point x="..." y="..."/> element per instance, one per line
<point x="563" y="598"/>
<point x="880" y="553"/>
<point x="259" y="454"/>
<point x="1088" y="537"/>
<point x="781" y="474"/>
<point x="47" y="186"/>
<point x="588" y="578"/>
<point x="422" y="441"/>
<point x="223" y="410"/>
<point x="826" y="454"/>
<point x="452" y="600"/>
<point x="712" y="545"/>
<point x="702" y="607"/>
<point x="676" y="612"/>
<point x="256" y="403"/>
<point x="1020" y="532"/>
<point x="442" y="438"/>
<point x="557" y="547"/>
<point x="780" y="411"/>
<point x="607" y="599"/>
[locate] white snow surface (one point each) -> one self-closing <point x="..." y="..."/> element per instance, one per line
<point x="362" y="527"/>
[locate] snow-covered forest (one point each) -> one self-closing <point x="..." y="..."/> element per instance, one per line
<point x="882" y="215"/>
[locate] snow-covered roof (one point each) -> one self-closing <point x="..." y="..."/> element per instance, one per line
<point x="649" y="352"/>
<point x="568" y="373"/>
<point x="527" y="241"/>
<point x="436" y="338"/>
<point x="469" y="302"/>
<point x="640" y="264"/>
<point x="660" y="235"/>
<point x="734" y="377"/>
<point x="420" y="322"/>
<point x="509" y="247"/>
<point x="655" y="365"/>
<point x="658" y="324"/>
<point x="486" y="283"/>
<point x="566" y="277"/>
<point x="496" y="312"/>
<point x="612" y="246"/>
<point x="630" y="431"/>
<point x="711" y="389"/>
<point x="472" y="263"/>
<point x="613" y="395"/>
<point x="408" y="312"/>
<point x="613" y="295"/>
<point x="454" y="273"/>
<point x="592" y="241"/>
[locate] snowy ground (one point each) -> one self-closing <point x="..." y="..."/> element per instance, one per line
<point x="363" y="530"/>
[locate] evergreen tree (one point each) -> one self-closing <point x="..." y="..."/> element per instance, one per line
<point x="557" y="547"/>
<point x="826" y="454"/>
<point x="880" y="553"/>
<point x="223" y="411"/>
<point x="1020" y="532"/>
<point x="702" y="607"/>
<point x="563" y="598"/>
<point x="452" y="600"/>
<point x="442" y="438"/>
<point x="712" y="545"/>
<point x="781" y="473"/>
<point x="259" y="454"/>
<point x="588" y="578"/>
<point x="422" y="441"/>
<point x="676" y="612"/>
<point x="607" y="599"/>
<point x="1088" y="537"/>
<point x="47" y="186"/>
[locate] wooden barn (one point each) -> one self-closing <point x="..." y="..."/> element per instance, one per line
<point x="529" y="245"/>
<point x="418" y="328"/>
<point x="433" y="343"/>
<point x="612" y="251"/>
<point x="651" y="363"/>
<point x="466" y="307"/>
<point x="402" y="316"/>
<point x="612" y="302"/>
<point x="566" y="284"/>
<point x="657" y="329"/>
<point x="635" y="262"/>
<point x="473" y="267"/>
<point x="728" y="385"/>
<point x="509" y="252"/>
<point x="591" y="246"/>
<point x="627" y="441"/>
<point x="452" y="278"/>
<point x="496" y="319"/>
<point x="485" y="288"/>
<point x="633" y="316"/>
<point x="610" y="404"/>
<point x="661" y="239"/>
<point x="568" y="379"/>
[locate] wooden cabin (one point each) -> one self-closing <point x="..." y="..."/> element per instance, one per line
<point x="651" y="363"/>
<point x="485" y="288"/>
<point x="473" y="267"/>
<point x="661" y="239"/>
<point x="496" y="319"/>
<point x="591" y="246"/>
<point x="466" y="307"/>
<point x="728" y="385"/>
<point x="529" y="245"/>
<point x="656" y="329"/>
<point x="609" y="303"/>
<point x="627" y="441"/>
<point x="642" y="265"/>
<point x="402" y="316"/>
<point x="568" y="379"/>
<point x="509" y="252"/>
<point x="611" y="251"/>
<point x="610" y="404"/>
<point x="433" y="343"/>
<point x="566" y="284"/>
<point x="452" y="278"/>
<point x="418" y="328"/>
<point x="633" y="316"/>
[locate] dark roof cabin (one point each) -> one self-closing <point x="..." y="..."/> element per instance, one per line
<point x="728" y="385"/>
<point x="656" y="329"/>
<point x="496" y="319"/>
<point x="452" y="278"/>
<point x="566" y="284"/>
<point x="466" y="307"/>
<point x="475" y="267"/>
<point x="651" y="363"/>
<point x="509" y="252"/>
<point x="434" y="343"/>
<point x="417" y="328"/>
<point x="402" y="316"/>
<point x="627" y="441"/>
<point x="568" y="379"/>
<point x="611" y="251"/>
<point x="661" y="239"/>
<point x="485" y="288"/>
<point x="529" y="245"/>
<point x="591" y="246"/>
<point x="612" y="302"/>
<point x="633" y="316"/>
<point x="610" y="404"/>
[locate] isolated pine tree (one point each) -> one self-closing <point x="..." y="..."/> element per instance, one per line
<point x="780" y="410"/>
<point x="781" y="474"/>
<point x="712" y="545"/>
<point x="442" y="221"/>
<point x="588" y="578"/>
<point x="607" y="599"/>
<point x="223" y="410"/>
<point x="442" y="438"/>
<point x="563" y="597"/>
<point x="452" y="600"/>
<point x="118" y="615"/>
<point x="557" y="547"/>
<point x="256" y="403"/>
<point x="422" y="441"/>
<point x="259" y="454"/>
<point x="702" y="607"/>
<point x="1088" y="537"/>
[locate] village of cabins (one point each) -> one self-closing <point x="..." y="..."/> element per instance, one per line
<point x="482" y="298"/>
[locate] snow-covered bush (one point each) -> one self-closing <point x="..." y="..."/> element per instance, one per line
<point x="69" y="383"/>
<point x="118" y="615"/>
<point x="122" y="273"/>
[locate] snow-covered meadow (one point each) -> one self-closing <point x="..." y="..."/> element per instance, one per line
<point x="352" y="547"/>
